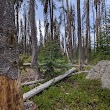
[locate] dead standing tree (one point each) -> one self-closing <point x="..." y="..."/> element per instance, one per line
<point x="79" y="34"/>
<point x="34" y="46"/>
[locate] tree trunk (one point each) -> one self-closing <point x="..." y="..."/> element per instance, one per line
<point x="97" y="30"/>
<point x="34" y="62"/>
<point x="73" y="32"/>
<point x="65" y="28"/>
<point x="87" y="33"/>
<point x="51" y="18"/>
<point x="79" y="34"/>
<point x="32" y="82"/>
<point x="25" y="30"/>
<point x="10" y="87"/>
<point x="17" y="17"/>
<point x="69" y="33"/>
<point x="93" y="25"/>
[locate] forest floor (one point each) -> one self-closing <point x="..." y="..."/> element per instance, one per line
<point x="73" y="93"/>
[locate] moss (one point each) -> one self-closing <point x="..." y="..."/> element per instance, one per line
<point x="25" y="89"/>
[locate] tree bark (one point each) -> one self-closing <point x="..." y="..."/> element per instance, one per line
<point x="10" y="94"/>
<point x="34" y="62"/>
<point x="10" y="88"/>
<point x="87" y="33"/>
<point x="25" y="30"/>
<point x="32" y="82"/>
<point x="69" y="33"/>
<point x="51" y="18"/>
<point x="17" y="17"/>
<point x="79" y="34"/>
<point x="93" y="13"/>
<point x="96" y="3"/>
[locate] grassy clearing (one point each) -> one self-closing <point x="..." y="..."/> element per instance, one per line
<point x="74" y="93"/>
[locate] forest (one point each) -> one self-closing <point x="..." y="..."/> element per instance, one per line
<point x="54" y="55"/>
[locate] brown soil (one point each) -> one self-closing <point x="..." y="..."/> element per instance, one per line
<point x="27" y="75"/>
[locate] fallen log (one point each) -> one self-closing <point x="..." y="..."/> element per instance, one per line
<point x="26" y="64"/>
<point x="75" y="65"/>
<point x="79" y="72"/>
<point x="31" y="82"/>
<point x="40" y="88"/>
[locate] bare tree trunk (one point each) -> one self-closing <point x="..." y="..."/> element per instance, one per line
<point x="73" y="31"/>
<point x="52" y="21"/>
<point x="46" y="25"/>
<point x="69" y="33"/>
<point x="17" y="17"/>
<point x="51" y="26"/>
<point x="34" y="62"/>
<point x="21" y="36"/>
<point x="10" y="87"/>
<point x="64" y="20"/>
<point x="51" y="18"/>
<point x="79" y="34"/>
<point x="25" y="30"/>
<point x="94" y="25"/>
<point x="87" y="33"/>
<point x="97" y="24"/>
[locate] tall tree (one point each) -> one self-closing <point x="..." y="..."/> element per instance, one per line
<point x="10" y="88"/>
<point x="49" y="5"/>
<point x="93" y="13"/>
<point x="40" y="33"/>
<point x="34" y="62"/>
<point x="79" y="34"/>
<point x="17" y="6"/>
<point x="17" y="16"/>
<point x="87" y="31"/>
<point x="100" y="8"/>
<point x="25" y="30"/>
<point x="97" y="8"/>
<point x="51" y="18"/>
<point x="46" y="25"/>
<point x="72" y="20"/>
<point x="69" y="32"/>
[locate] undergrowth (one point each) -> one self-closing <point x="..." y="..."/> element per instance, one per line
<point x="74" y="93"/>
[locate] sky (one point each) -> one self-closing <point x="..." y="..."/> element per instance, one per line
<point x="39" y="13"/>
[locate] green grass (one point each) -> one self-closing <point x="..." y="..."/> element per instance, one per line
<point x="25" y="89"/>
<point x="74" y="93"/>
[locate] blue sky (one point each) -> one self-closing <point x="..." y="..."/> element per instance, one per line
<point x="39" y="12"/>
